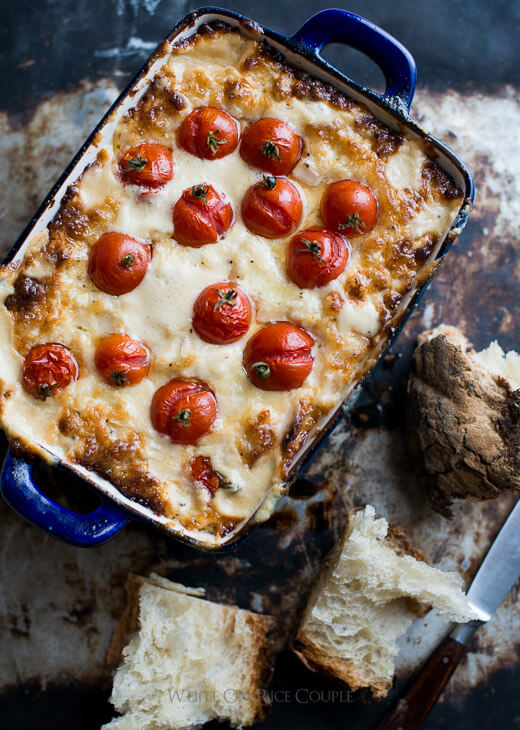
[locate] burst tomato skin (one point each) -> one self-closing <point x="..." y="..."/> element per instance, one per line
<point x="117" y="263"/>
<point x="201" y="216"/>
<point x="272" y="207"/>
<point x="203" y="473"/>
<point x="222" y="313"/>
<point x="48" y="369"/>
<point x="208" y="133"/>
<point x="149" y="165"/>
<point x="122" y="360"/>
<point x="316" y="256"/>
<point x="349" y="207"/>
<point x="279" y="357"/>
<point x="272" y="145"/>
<point x="184" y="410"/>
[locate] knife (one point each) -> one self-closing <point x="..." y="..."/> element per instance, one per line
<point x="494" y="579"/>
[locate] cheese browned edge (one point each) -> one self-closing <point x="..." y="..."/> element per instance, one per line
<point x="258" y="434"/>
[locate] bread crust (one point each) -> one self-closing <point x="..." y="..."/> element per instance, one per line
<point x="263" y="665"/>
<point x="318" y="660"/>
<point x="128" y="623"/>
<point x="466" y="421"/>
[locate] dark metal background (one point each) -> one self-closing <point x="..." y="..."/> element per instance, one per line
<point x="60" y="65"/>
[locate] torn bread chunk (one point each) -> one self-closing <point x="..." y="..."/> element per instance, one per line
<point x="188" y="660"/>
<point x="372" y="588"/>
<point x="464" y="411"/>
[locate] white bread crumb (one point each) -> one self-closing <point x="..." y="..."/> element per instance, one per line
<point x="506" y="364"/>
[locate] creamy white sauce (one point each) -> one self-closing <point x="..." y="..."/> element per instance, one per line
<point x="403" y="169"/>
<point x="362" y="317"/>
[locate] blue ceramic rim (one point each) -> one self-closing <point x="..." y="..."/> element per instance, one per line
<point x="398" y="112"/>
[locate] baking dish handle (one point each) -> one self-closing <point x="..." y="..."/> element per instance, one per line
<point x="394" y="60"/>
<point x="82" y="530"/>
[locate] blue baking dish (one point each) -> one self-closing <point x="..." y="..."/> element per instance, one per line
<point x="303" y="49"/>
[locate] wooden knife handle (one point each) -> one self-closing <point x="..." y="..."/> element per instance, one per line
<point x="413" y="709"/>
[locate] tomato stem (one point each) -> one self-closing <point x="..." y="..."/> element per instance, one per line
<point x="119" y="377"/>
<point x="183" y="417"/>
<point x="262" y="369"/>
<point x="213" y="142"/>
<point x="312" y="247"/>
<point x="200" y="191"/>
<point x="270" y="149"/>
<point x="225" y="483"/>
<point x="228" y="297"/>
<point x="352" y="221"/>
<point x="128" y="261"/>
<point x="136" y="163"/>
<point x="44" y="390"/>
<point x="269" y="182"/>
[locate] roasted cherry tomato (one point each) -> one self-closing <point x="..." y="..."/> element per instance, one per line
<point x="118" y="263"/>
<point x="121" y="360"/>
<point x="316" y="256"/>
<point x="209" y="133"/>
<point x="47" y="369"/>
<point x="272" y="207"/>
<point x="221" y="313"/>
<point x="149" y="165"/>
<point x="203" y="473"/>
<point x="184" y="409"/>
<point x="349" y="207"/>
<point x="201" y="216"/>
<point x="271" y="145"/>
<point x="278" y="357"/>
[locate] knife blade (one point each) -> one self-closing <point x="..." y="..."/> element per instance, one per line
<point x="499" y="570"/>
<point x="494" y="579"/>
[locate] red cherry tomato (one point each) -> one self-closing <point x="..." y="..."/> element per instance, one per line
<point x="149" y="165"/>
<point x="349" y="207"/>
<point x="203" y="473"/>
<point x="272" y="207"/>
<point x="209" y="133"/>
<point x="271" y="145"/>
<point x="278" y="357"/>
<point x="118" y="263"/>
<point x="121" y="360"/>
<point x="316" y="256"/>
<point x="201" y="216"/>
<point x="47" y="369"/>
<point x="184" y="409"/>
<point x="221" y="313"/>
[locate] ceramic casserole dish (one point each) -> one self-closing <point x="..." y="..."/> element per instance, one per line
<point x="201" y="434"/>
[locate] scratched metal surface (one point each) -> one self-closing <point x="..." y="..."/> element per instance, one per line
<point x="62" y="65"/>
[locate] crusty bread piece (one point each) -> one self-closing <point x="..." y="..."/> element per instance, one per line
<point x="188" y="660"/>
<point x="369" y="593"/>
<point x="463" y="414"/>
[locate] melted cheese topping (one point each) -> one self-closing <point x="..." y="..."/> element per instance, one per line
<point x="114" y="435"/>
